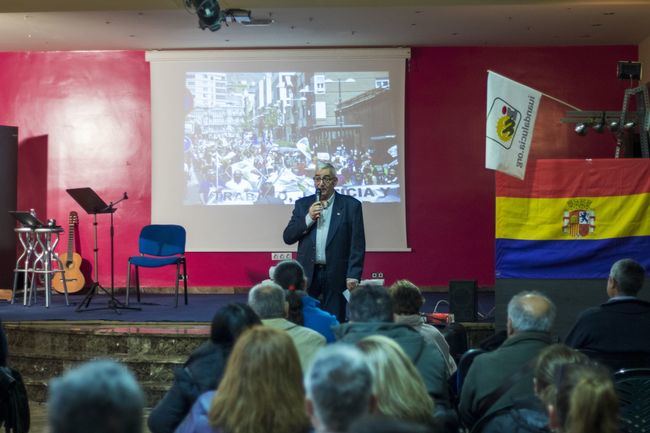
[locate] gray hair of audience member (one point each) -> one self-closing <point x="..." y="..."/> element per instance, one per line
<point x="100" y="396"/>
<point x="629" y="276"/>
<point x="531" y="311"/>
<point x="371" y="303"/>
<point x="267" y="300"/>
<point x="339" y="386"/>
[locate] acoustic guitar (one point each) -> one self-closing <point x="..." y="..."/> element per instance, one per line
<point x="74" y="279"/>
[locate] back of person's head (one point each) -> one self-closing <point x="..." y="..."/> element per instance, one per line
<point x="230" y="321"/>
<point x="531" y="311"/>
<point x="96" y="397"/>
<point x="398" y="386"/>
<point x="406" y="296"/>
<point x="385" y="424"/>
<point x="629" y="276"/>
<point x="267" y="300"/>
<point x="583" y="400"/>
<point x="549" y="360"/>
<point x="339" y="387"/>
<point x="261" y="389"/>
<point x="370" y="303"/>
<point x="290" y="275"/>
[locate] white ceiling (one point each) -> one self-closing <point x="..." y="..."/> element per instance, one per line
<point x="165" y="24"/>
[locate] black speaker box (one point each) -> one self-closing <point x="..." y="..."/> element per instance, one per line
<point x="463" y="302"/>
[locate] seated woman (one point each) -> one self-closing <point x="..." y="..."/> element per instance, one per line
<point x="303" y="309"/>
<point x="261" y="390"/>
<point x="582" y="399"/>
<point x="400" y="390"/>
<point x="204" y="368"/>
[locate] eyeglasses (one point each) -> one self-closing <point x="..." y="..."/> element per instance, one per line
<point x="324" y="179"/>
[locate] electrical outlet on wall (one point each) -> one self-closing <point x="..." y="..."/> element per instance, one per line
<point x="280" y="256"/>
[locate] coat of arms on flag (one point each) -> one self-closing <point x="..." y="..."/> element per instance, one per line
<point x="579" y="220"/>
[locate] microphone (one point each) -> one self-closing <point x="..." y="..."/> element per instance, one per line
<point x="317" y="194"/>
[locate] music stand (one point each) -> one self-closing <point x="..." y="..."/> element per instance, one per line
<point x="27" y="219"/>
<point x="93" y="205"/>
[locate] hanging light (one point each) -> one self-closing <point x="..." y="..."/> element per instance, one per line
<point x="581" y="129"/>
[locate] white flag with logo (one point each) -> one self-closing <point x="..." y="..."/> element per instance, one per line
<point x="511" y="113"/>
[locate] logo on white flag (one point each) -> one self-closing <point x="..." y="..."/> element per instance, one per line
<point x="504" y="118"/>
<point x="511" y="112"/>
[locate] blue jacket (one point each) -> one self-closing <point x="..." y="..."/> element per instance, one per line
<point x="317" y="319"/>
<point x="197" y="420"/>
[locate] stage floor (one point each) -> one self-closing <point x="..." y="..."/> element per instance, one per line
<point x="160" y="308"/>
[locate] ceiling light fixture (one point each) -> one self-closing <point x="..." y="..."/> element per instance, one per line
<point x="209" y="13"/>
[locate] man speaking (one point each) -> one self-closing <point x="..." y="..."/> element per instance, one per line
<point x="328" y="227"/>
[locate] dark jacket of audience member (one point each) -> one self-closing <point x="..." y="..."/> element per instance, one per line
<point x="530" y="317"/>
<point x="620" y="325"/>
<point x="203" y="369"/>
<point x="371" y="313"/>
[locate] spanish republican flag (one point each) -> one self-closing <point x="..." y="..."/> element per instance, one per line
<point x="572" y="218"/>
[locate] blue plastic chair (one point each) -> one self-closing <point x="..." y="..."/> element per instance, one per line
<point x="159" y="245"/>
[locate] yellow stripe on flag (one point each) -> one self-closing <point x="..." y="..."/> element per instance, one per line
<point x="543" y="218"/>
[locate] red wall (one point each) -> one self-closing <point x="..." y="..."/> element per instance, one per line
<point x="84" y="120"/>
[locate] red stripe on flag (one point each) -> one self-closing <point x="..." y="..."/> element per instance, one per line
<point x="557" y="178"/>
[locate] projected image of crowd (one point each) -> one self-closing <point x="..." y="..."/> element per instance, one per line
<point x="255" y="138"/>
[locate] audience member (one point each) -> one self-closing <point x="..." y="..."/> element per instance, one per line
<point x="530" y="318"/>
<point x="99" y="396"/>
<point x="203" y="369"/>
<point x="339" y="388"/>
<point x="549" y="361"/>
<point x="398" y="386"/>
<point x="582" y="400"/>
<point x="619" y="326"/>
<point x="267" y="299"/>
<point x="528" y="414"/>
<point x="261" y="390"/>
<point x="407" y="302"/>
<point x="303" y="309"/>
<point x="371" y="313"/>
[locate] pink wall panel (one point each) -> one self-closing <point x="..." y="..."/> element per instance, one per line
<point x="84" y="120"/>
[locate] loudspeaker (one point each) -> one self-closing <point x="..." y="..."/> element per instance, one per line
<point x="628" y="70"/>
<point x="463" y="302"/>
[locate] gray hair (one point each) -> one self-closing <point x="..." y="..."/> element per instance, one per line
<point x="328" y="166"/>
<point x="371" y="303"/>
<point x="100" y="396"/>
<point x="531" y="311"/>
<point x="629" y="276"/>
<point x="267" y="300"/>
<point x="339" y="384"/>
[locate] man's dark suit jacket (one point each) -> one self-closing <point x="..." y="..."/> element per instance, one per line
<point x="617" y="326"/>
<point x="346" y="241"/>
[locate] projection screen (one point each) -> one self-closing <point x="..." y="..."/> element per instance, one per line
<point x="237" y="134"/>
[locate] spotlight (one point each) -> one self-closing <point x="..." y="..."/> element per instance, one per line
<point x="209" y="13"/>
<point x="581" y="129"/>
<point x="629" y="124"/>
<point x="599" y="126"/>
<point x="614" y="126"/>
